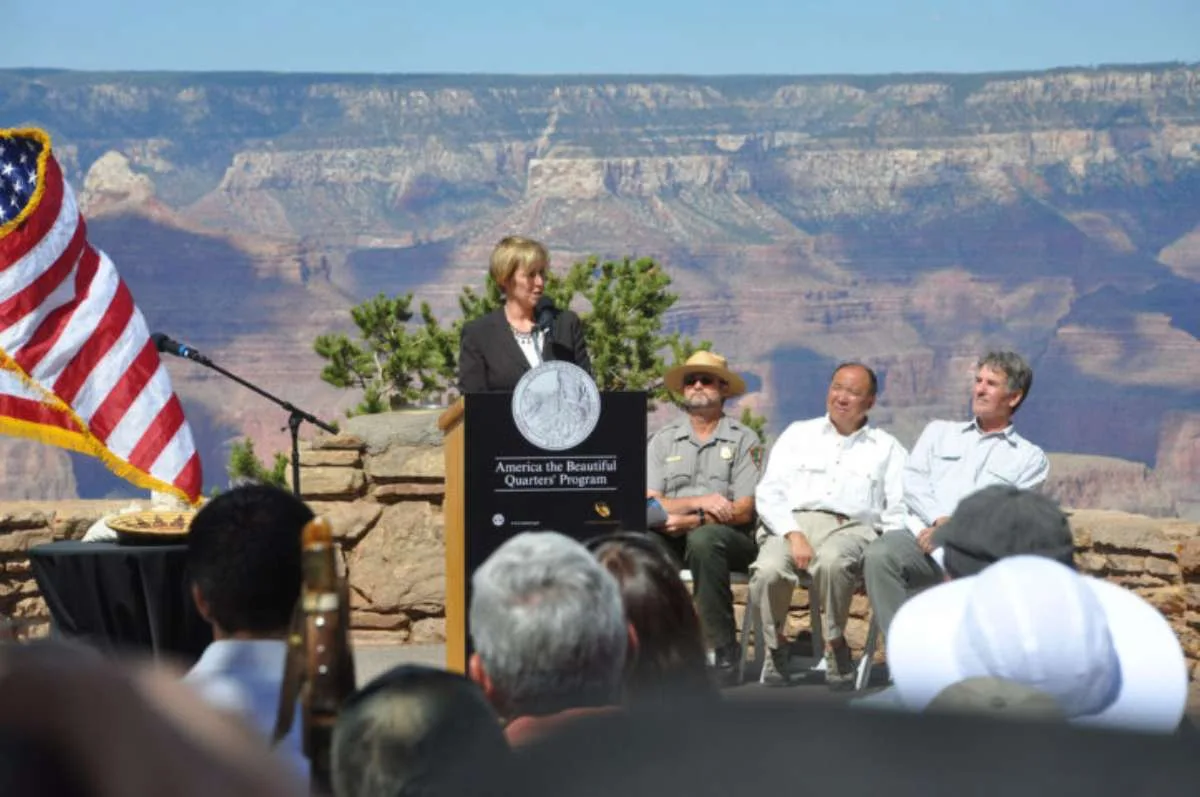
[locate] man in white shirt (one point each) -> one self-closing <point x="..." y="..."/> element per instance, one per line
<point x="951" y="460"/>
<point x="831" y="486"/>
<point x="244" y="563"/>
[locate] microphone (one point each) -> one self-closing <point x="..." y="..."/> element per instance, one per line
<point x="545" y="312"/>
<point x="169" y="346"/>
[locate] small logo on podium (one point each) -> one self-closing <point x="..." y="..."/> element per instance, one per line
<point x="497" y="520"/>
<point x="556" y="405"/>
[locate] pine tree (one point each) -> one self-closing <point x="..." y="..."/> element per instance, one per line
<point x="244" y="465"/>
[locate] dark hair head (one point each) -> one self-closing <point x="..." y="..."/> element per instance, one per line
<point x="669" y="660"/>
<point x="1000" y="521"/>
<point x="244" y="557"/>
<point x="412" y="731"/>
<point x="871" y="378"/>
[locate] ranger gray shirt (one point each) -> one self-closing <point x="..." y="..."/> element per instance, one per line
<point x="679" y="465"/>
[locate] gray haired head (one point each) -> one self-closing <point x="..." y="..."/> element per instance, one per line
<point x="1020" y="375"/>
<point x="548" y="625"/>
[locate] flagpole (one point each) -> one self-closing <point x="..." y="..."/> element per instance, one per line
<point x="296" y="416"/>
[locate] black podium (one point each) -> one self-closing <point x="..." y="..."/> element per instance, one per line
<point x="500" y="483"/>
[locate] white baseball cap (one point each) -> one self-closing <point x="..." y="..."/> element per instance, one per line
<point x="1105" y="655"/>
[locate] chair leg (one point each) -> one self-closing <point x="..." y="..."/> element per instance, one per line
<point x="868" y="658"/>
<point x="818" y="631"/>
<point x="748" y="623"/>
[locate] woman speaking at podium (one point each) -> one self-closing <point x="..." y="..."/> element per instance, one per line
<point x="497" y="349"/>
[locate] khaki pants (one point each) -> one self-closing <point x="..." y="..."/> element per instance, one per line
<point x="836" y="569"/>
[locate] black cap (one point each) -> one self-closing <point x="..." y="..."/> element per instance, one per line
<point x="1001" y="521"/>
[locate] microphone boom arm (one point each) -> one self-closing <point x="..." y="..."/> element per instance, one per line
<point x="296" y="416"/>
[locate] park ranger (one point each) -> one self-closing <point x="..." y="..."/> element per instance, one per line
<point x="703" y="468"/>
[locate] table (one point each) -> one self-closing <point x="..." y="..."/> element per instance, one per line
<point x="122" y="598"/>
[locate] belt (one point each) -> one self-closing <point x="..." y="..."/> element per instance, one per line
<point x="840" y="517"/>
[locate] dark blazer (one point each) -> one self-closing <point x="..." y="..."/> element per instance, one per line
<point x="491" y="360"/>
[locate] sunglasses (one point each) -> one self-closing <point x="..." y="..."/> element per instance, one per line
<point x="704" y="379"/>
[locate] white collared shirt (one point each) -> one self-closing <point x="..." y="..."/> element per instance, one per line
<point x="953" y="459"/>
<point x="813" y="467"/>
<point x="244" y="676"/>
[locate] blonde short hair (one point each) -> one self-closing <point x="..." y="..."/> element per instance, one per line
<point x="515" y="252"/>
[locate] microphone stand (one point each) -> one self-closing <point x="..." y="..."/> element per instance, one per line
<point x="296" y="415"/>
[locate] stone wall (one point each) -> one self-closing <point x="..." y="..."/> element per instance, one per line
<point x="382" y="483"/>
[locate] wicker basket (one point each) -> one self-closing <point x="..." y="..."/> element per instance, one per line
<point x="155" y="527"/>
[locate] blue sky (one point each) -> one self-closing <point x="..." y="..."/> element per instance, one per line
<point x="600" y="36"/>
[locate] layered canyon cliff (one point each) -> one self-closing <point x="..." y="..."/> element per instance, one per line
<point x="908" y="221"/>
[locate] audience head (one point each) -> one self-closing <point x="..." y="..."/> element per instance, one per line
<point x="1000" y="521"/>
<point x="83" y="723"/>
<point x="548" y="627"/>
<point x="410" y="732"/>
<point x="243" y="560"/>
<point x="1002" y="383"/>
<point x="1103" y="654"/>
<point x="669" y="659"/>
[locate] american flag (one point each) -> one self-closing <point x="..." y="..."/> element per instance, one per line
<point x="77" y="366"/>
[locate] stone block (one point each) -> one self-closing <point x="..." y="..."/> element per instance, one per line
<point x="1189" y="640"/>
<point x="409" y="491"/>
<point x="1189" y="558"/>
<point x="386" y="430"/>
<point x="1171" y="601"/>
<point x="350" y="520"/>
<point x="22" y="541"/>
<point x="1126" y="563"/>
<point x="399" y="566"/>
<point x="1081" y="537"/>
<point x="428" y="631"/>
<point x="395" y="621"/>
<point x="338" y="457"/>
<point x="1138" y="581"/>
<point x="1121" y="532"/>
<point x="403" y="463"/>
<point x="325" y="442"/>
<point x="20" y="518"/>
<point x="327" y="483"/>
<point x="1094" y="564"/>
<point x="31" y="608"/>
<point x="1163" y="568"/>
<point x="1193" y="596"/>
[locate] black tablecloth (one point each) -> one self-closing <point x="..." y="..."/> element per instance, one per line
<point x="122" y="598"/>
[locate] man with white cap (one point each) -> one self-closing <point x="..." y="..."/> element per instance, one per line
<point x="1105" y="656"/>
<point x="703" y="468"/>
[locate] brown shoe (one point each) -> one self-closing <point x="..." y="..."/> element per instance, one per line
<point x="839" y="668"/>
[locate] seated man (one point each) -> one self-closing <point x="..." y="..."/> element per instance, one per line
<point x="408" y="733"/>
<point x="243" y="558"/>
<point x="951" y="460"/>
<point x="703" y="468"/>
<point x="832" y="485"/>
<point x="549" y="633"/>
